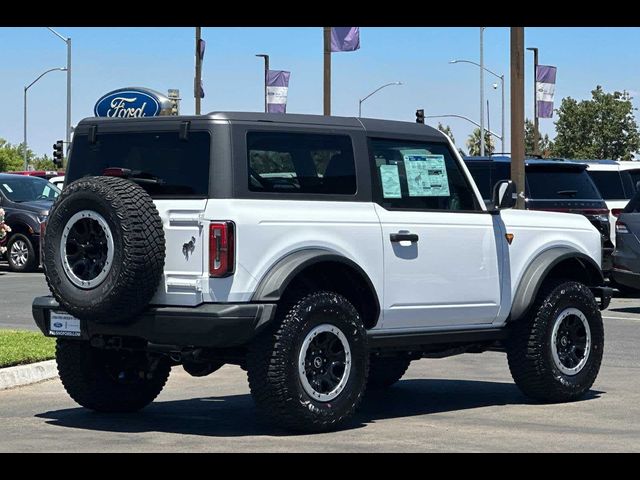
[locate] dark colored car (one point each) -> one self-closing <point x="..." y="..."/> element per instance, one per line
<point x="26" y="201"/>
<point x="552" y="185"/>
<point x="625" y="274"/>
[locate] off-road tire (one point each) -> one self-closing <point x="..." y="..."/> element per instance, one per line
<point x="87" y="375"/>
<point x="386" y="371"/>
<point x="529" y="350"/>
<point x="32" y="258"/>
<point x="138" y="256"/>
<point x="272" y="364"/>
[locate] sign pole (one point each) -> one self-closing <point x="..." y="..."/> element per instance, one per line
<point x="327" y="70"/>
<point x="198" y="80"/>
<point x="517" y="113"/>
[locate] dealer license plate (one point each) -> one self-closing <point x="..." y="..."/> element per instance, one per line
<point x="62" y="324"/>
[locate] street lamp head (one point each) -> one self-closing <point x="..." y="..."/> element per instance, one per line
<point x="453" y="61"/>
<point x="398" y="83"/>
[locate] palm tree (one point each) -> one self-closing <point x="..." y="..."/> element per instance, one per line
<point x="473" y="143"/>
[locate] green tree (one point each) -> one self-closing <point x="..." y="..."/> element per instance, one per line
<point x="473" y="143"/>
<point x="446" y="129"/>
<point x="545" y="145"/>
<point x="44" y="163"/>
<point x="11" y="156"/>
<point x="603" y="127"/>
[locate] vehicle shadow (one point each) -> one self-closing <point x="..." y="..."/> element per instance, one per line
<point x="236" y="416"/>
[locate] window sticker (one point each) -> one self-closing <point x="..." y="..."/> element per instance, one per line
<point x="426" y="174"/>
<point x="390" y="181"/>
<point x="7" y="188"/>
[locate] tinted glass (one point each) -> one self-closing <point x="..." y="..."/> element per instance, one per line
<point x="481" y="173"/>
<point x="27" y="189"/>
<point x="301" y="163"/>
<point x="170" y="166"/>
<point x="635" y="178"/>
<point x="609" y="184"/>
<point x="554" y="184"/>
<point x="419" y="176"/>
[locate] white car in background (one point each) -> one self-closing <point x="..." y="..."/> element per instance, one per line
<point x="57" y="181"/>
<point x="617" y="184"/>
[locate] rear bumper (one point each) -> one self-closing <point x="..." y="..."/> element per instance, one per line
<point x="207" y="325"/>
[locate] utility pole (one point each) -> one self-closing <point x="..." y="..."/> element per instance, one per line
<point x="536" y="132"/>
<point x="66" y="40"/>
<point x="198" y="80"/>
<point x="266" y="76"/>
<point x="517" y="113"/>
<point x="327" y="70"/>
<point x="481" y="92"/>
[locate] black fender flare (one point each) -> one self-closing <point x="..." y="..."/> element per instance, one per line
<point x="538" y="270"/>
<point x="273" y="284"/>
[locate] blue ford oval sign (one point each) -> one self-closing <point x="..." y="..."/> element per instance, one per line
<point x="129" y="103"/>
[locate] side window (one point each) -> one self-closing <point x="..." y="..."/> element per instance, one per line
<point x="301" y="163"/>
<point x="419" y="176"/>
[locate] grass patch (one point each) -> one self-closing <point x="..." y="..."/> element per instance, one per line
<point x="19" y="347"/>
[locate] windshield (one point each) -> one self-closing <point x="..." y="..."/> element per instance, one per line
<point x="162" y="163"/>
<point x="27" y="189"/>
<point x="556" y="184"/>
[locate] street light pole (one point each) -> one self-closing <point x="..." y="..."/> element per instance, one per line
<point x="372" y="93"/>
<point x="66" y="40"/>
<point x="501" y="77"/>
<point x="266" y="76"/>
<point x="24" y="143"/>
<point x="499" y="137"/>
<point x="536" y="132"/>
<point x="481" y="91"/>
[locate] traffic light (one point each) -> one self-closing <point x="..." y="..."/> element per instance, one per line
<point x="420" y="116"/>
<point x="58" y="154"/>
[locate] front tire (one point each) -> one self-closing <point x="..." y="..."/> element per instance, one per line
<point x="555" y="352"/>
<point x="21" y="255"/>
<point x="309" y="372"/>
<point x="109" y="380"/>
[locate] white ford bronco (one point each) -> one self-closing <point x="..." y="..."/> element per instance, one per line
<point x="321" y="254"/>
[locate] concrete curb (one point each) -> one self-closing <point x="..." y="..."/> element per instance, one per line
<point x="27" y="374"/>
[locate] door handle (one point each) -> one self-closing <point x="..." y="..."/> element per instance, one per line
<point x="404" y="237"/>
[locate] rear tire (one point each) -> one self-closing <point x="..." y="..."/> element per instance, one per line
<point x="20" y="254"/>
<point x="555" y="352"/>
<point x="109" y="380"/>
<point x="309" y="372"/>
<point x="386" y="371"/>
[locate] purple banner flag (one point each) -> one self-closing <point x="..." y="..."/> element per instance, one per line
<point x="545" y="90"/>
<point x="277" y="91"/>
<point x="345" y="39"/>
<point x="201" y="47"/>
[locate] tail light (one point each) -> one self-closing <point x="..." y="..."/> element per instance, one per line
<point x="616" y="212"/>
<point x="221" y="249"/>
<point x="621" y="227"/>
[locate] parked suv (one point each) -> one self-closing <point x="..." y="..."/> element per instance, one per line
<point x="553" y="185"/>
<point x="616" y="181"/>
<point x="321" y="254"/>
<point x="26" y="201"/>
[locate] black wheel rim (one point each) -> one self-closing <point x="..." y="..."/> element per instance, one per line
<point x="325" y="362"/>
<point x="571" y="341"/>
<point x="86" y="249"/>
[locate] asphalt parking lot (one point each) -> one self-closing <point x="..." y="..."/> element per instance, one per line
<point x="464" y="403"/>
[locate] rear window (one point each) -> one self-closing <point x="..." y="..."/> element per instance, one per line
<point x="635" y="178"/>
<point x="554" y="184"/>
<point x="166" y="165"/>
<point x="301" y="163"/>
<point x="609" y="184"/>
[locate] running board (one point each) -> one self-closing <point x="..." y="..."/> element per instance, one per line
<point x="385" y="340"/>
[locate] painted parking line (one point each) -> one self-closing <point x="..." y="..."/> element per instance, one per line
<point x="623" y="318"/>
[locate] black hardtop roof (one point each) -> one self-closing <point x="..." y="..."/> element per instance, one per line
<point x="371" y="125"/>
<point x="532" y="163"/>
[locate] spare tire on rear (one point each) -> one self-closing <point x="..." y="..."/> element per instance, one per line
<point x="104" y="249"/>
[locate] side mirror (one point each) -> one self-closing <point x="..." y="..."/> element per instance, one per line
<point x="504" y="195"/>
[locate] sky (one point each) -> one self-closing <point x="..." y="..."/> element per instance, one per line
<point x="160" y="58"/>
